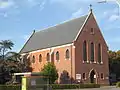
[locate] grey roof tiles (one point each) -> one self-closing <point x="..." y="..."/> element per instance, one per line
<point x="61" y="34"/>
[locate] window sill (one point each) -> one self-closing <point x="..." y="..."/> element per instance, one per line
<point x="99" y="62"/>
<point x="92" y="33"/>
<point x="57" y="61"/>
<point x="102" y="79"/>
<point x="85" y="79"/>
<point x="67" y="59"/>
<point x="92" y="62"/>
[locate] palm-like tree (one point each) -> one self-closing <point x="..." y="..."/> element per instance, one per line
<point x="4" y="46"/>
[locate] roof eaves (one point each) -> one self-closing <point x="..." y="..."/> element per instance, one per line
<point x="46" y="47"/>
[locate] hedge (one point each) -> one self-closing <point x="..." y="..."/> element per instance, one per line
<point x="74" y="86"/>
<point x="53" y="86"/>
<point x="118" y="84"/>
<point x="10" y="87"/>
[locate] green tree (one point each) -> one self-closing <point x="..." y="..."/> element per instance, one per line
<point x="114" y="63"/>
<point x="5" y="45"/>
<point x="50" y="70"/>
<point x="13" y="56"/>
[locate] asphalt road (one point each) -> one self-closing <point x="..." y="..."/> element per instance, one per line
<point x="102" y="88"/>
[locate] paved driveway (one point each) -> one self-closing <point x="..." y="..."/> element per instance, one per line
<point x="102" y="88"/>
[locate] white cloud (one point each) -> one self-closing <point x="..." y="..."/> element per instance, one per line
<point x="111" y="15"/>
<point x="72" y="5"/>
<point x="6" y="4"/>
<point x="42" y="5"/>
<point x="33" y="3"/>
<point x="63" y="1"/>
<point x="105" y="13"/>
<point x="114" y="17"/>
<point x="78" y="13"/>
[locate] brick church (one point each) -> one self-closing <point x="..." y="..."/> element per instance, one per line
<point x="76" y="46"/>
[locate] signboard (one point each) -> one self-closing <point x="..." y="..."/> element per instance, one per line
<point x="94" y="76"/>
<point x="24" y="83"/>
<point x="78" y="76"/>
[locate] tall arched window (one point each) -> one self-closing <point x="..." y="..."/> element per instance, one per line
<point x="84" y="51"/>
<point x="99" y="53"/>
<point x="92" y="52"/>
<point x="67" y="54"/>
<point x="40" y="58"/>
<point x="57" y="56"/>
<point x="33" y="59"/>
<point x="48" y="57"/>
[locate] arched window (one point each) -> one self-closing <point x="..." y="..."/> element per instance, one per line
<point x="57" y="56"/>
<point x="40" y="58"/>
<point x="33" y="59"/>
<point x="67" y="54"/>
<point x="102" y="76"/>
<point x="99" y="53"/>
<point x="48" y="57"/>
<point x="84" y="51"/>
<point x="83" y="76"/>
<point x="92" y="52"/>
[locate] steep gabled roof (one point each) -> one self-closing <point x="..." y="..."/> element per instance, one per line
<point x="61" y="34"/>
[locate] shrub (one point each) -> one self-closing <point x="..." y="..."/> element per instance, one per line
<point x="91" y="85"/>
<point x="74" y="86"/>
<point x="118" y="84"/>
<point x="10" y="87"/>
<point x="65" y="86"/>
<point x="50" y="70"/>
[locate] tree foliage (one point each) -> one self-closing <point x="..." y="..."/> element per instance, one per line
<point x="50" y="70"/>
<point x="114" y="63"/>
<point x="10" y="62"/>
<point x="5" y="45"/>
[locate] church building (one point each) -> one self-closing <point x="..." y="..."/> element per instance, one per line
<point x="76" y="47"/>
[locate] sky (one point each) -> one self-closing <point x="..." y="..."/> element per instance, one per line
<point x="18" y="18"/>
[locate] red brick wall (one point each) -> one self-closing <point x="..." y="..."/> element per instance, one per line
<point x="63" y="64"/>
<point x="96" y="38"/>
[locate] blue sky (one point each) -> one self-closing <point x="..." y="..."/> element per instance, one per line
<point x="18" y="18"/>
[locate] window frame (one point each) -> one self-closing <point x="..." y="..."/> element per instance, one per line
<point x="102" y="76"/>
<point x="92" y="58"/>
<point x="33" y="59"/>
<point x="67" y="54"/>
<point x="40" y="58"/>
<point x="84" y="76"/>
<point x="57" y="55"/>
<point x="85" y="51"/>
<point x="99" y="53"/>
<point x="92" y="30"/>
<point x="48" y="57"/>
